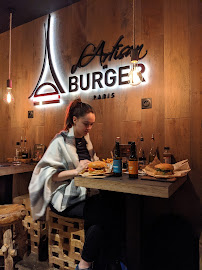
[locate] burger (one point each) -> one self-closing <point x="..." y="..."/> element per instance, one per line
<point x="97" y="167"/>
<point x="163" y="169"/>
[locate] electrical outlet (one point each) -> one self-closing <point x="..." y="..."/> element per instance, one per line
<point x="146" y="103"/>
<point x="30" y="114"/>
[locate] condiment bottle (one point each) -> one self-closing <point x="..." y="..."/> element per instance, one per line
<point x="141" y="155"/>
<point x="167" y="155"/>
<point x="133" y="162"/>
<point x="152" y="152"/>
<point x="25" y="150"/>
<point x="16" y="160"/>
<point x="117" y="161"/>
<point x="17" y="150"/>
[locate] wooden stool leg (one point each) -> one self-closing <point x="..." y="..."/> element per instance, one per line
<point x="7" y="248"/>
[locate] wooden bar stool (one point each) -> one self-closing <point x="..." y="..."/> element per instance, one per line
<point x="66" y="239"/>
<point x="9" y="215"/>
<point x="37" y="231"/>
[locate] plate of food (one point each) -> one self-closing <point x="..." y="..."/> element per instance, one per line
<point x="96" y="169"/>
<point x="159" y="170"/>
<point x="164" y="170"/>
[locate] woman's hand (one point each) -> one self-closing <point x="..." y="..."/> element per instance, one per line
<point x="83" y="164"/>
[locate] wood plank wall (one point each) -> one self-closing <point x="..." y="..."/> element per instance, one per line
<point x="168" y="29"/>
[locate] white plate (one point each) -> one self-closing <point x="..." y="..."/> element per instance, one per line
<point x="89" y="175"/>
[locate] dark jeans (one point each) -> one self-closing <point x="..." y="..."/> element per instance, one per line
<point x="103" y="224"/>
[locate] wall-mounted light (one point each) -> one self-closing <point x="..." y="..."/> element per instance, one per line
<point x="8" y="97"/>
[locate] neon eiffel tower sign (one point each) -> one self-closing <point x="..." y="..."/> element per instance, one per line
<point x="54" y="90"/>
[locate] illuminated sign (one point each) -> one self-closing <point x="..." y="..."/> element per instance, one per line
<point x="47" y="92"/>
<point x="86" y="56"/>
<point x="101" y="80"/>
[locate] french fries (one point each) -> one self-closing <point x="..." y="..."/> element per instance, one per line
<point x="108" y="160"/>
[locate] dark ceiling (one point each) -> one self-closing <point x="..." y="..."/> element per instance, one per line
<point x="28" y="10"/>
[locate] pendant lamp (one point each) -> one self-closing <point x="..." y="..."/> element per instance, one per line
<point x="8" y="97"/>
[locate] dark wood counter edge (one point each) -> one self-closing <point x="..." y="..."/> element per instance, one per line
<point x="16" y="169"/>
<point x="138" y="187"/>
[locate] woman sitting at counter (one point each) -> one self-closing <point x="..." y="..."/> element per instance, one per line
<point x="52" y="184"/>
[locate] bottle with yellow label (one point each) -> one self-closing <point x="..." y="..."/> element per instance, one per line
<point x="133" y="162"/>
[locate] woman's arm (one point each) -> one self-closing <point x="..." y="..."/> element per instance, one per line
<point x="68" y="174"/>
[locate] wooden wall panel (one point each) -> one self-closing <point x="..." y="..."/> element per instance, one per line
<point x="195" y="85"/>
<point x="36" y="126"/>
<point x="103" y="15"/>
<point x="176" y="59"/>
<point x="63" y="28"/>
<point x="195" y="100"/>
<point x="130" y="131"/>
<point x="177" y="136"/>
<point x="131" y="103"/>
<point x="78" y="34"/>
<point x="152" y="37"/>
<point x="5" y="115"/>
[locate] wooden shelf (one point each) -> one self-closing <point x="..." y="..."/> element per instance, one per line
<point x="22" y="160"/>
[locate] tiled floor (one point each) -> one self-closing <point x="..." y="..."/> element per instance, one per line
<point x="31" y="263"/>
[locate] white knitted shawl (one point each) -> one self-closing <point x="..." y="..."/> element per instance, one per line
<point x="61" y="155"/>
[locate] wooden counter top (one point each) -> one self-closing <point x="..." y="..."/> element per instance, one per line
<point x="139" y="187"/>
<point x="11" y="169"/>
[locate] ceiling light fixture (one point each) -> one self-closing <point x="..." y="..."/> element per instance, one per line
<point x="8" y="97"/>
<point x="135" y="75"/>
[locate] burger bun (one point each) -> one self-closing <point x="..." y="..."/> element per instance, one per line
<point x="97" y="164"/>
<point x="97" y="167"/>
<point x="163" y="169"/>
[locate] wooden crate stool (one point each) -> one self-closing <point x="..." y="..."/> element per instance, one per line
<point x="37" y="230"/>
<point x="66" y="239"/>
<point x="10" y="214"/>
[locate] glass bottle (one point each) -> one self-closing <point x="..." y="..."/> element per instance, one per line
<point x="167" y="155"/>
<point x="133" y="162"/>
<point x="157" y="153"/>
<point x="141" y="154"/>
<point x="17" y="150"/>
<point x="25" y="150"/>
<point x="117" y="161"/>
<point x="16" y="160"/>
<point x="118" y="139"/>
<point x="21" y="146"/>
<point x="152" y="152"/>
